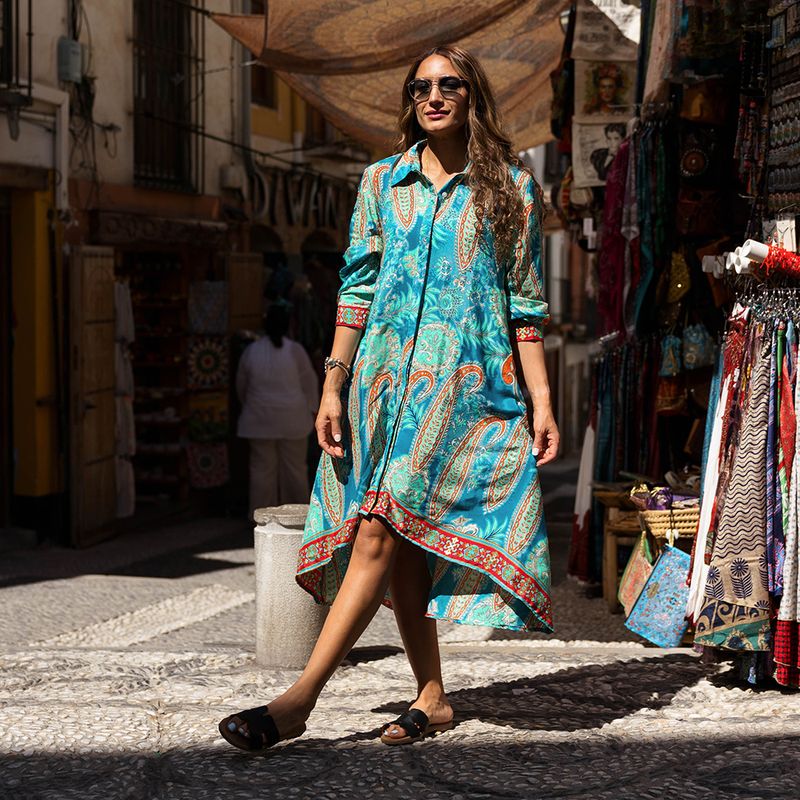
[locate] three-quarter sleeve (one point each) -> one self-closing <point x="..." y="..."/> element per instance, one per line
<point x="362" y="258"/>
<point x="528" y="310"/>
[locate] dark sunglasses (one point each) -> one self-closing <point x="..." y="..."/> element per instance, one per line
<point x="449" y="86"/>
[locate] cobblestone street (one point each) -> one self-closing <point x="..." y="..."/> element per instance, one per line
<point x="115" y="670"/>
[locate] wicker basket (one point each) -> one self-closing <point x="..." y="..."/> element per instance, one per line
<point x="684" y="520"/>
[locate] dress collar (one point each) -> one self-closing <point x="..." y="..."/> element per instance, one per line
<point x="411" y="161"/>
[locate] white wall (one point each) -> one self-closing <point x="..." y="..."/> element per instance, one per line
<point x="107" y="30"/>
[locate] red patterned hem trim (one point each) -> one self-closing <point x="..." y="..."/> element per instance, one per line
<point x="528" y="333"/>
<point x="444" y="543"/>
<point x="352" y="316"/>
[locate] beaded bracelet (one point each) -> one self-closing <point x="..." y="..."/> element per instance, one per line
<point x="331" y="362"/>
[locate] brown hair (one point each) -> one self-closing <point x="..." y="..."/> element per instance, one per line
<point x="497" y="198"/>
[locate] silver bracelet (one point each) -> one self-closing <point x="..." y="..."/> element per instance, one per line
<point x="331" y="362"/>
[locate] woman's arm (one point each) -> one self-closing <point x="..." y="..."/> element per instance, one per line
<point x="329" y="419"/>
<point x="546" y="437"/>
<point x="359" y="275"/>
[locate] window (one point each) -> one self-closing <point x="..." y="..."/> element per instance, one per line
<point x="168" y="103"/>
<point x="263" y="81"/>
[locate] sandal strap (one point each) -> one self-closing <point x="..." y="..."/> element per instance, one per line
<point x="414" y="722"/>
<point x="260" y="725"/>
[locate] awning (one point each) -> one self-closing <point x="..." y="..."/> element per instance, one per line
<point x="349" y="60"/>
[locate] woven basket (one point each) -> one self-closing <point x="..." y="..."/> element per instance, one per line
<point x="684" y="520"/>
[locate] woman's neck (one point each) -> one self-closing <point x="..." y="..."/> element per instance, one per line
<point x="444" y="155"/>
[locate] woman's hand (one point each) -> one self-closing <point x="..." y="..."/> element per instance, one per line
<point x="329" y="423"/>
<point x="546" y="437"/>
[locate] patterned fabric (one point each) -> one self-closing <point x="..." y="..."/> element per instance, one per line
<point x="786" y="653"/>
<point x="528" y="333"/>
<point x="790" y="601"/>
<point x="352" y="316"/>
<point x="208" y="362"/>
<point x="208" y="465"/>
<point x="637" y="571"/>
<point x="208" y="307"/>
<point x="737" y="604"/>
<point x="438" y="443"/>
<point x="208" y="417"/>
<point x="658" y="615"/>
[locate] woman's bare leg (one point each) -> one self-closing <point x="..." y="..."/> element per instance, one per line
<point x="410" y="585"/>
<point x="362" y="590"/>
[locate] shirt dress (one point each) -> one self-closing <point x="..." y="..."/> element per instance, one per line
<point x="436" y="439"/>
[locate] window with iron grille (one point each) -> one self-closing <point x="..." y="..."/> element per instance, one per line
<point x="263" y="81"/>
<point x="168" y="102"/>
<point x="6" y="42"/>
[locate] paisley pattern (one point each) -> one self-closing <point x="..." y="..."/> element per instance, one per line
<point x="437" y="442"/>
<point x="434" y="425"/>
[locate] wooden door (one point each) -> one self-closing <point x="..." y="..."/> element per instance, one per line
<point x="245" y="290"/>
<point x="93" y="484"/>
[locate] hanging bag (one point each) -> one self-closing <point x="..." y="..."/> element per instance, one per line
<point x="659" y="614"/>
<point x="636" y="573"/>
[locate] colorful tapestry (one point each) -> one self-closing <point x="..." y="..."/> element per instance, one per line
<point x="438" y="443"/>
<point x="208" y="417"/>
<point x="208" y="362"/>
<point x="208" y="307"/>
<point x="208" y="465"/>
<point x="659" y="614"/>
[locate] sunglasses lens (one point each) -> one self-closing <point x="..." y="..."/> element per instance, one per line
<point x="419" y="89"/>
<point x="449" y="86"/>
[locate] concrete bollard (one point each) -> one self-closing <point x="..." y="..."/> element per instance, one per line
<point x="288" y="621"/>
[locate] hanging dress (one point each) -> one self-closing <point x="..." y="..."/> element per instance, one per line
<point x="436" y="438"/>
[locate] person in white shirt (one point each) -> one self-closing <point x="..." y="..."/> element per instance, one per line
<point x="279" y="393"/>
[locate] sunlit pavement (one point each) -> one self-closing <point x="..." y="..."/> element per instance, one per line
<point x="115" y="670"/>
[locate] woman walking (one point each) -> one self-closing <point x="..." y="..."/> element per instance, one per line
<point x="427" y="494"/>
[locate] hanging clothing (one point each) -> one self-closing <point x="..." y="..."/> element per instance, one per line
<point x="437" y="441"/>
<point x="737" y="605"/>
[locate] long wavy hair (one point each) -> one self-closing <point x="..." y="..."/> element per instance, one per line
<point x="496" y="197"/>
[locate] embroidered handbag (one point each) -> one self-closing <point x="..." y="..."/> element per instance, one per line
<point x="698" y="347"/>
<point x="636" y="574"/>
<point x="659" y="614"/>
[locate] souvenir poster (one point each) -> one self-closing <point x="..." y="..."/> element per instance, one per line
<point x="606" y="30"/>
<point x="605" y="89"/>
<point x="593" y="149"/>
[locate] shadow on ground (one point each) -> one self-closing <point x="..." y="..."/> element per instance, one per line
<point x="578" y="698"/>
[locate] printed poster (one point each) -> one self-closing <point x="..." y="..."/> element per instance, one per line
<point x="606" y="30"/>
<point x="605" y="89"/>
<point x="593" y="149"/>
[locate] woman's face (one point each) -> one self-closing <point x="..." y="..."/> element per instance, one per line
<point x="439" y="115"/>
<point x="607" y="89"/>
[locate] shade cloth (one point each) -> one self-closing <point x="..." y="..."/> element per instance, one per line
<point x="349" y="60"/>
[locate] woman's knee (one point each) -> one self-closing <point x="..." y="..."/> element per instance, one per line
<point x="375" y="540"/>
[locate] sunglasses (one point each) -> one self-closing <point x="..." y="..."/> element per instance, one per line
<point x="449" y="86"/>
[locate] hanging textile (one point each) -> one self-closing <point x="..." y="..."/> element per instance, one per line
<point x="319" y="48"/>
<point x="744" y="586"/>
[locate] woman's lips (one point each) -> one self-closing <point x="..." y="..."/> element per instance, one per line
<point x="436" y="114"/>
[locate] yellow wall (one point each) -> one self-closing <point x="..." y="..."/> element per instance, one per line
<point x="34" y="411"/>
<point x="281" y="122"/>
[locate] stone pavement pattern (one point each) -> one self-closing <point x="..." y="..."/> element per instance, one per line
<point x="114" y="672"/>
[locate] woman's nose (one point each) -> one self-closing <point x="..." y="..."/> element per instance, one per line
<point x="436" y="95"/>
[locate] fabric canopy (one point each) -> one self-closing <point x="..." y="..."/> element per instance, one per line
<point x="349" y="59"/>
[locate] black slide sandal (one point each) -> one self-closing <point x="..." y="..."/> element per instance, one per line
<point x="262" y="733"/>
<point x="416" y="725"/>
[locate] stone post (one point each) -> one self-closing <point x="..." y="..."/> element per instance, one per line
<point x="288" y="621"/>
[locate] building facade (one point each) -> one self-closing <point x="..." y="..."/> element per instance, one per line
<point x="154" y="185"/>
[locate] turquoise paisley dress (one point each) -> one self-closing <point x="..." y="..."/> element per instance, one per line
<point x="437" y="440"/>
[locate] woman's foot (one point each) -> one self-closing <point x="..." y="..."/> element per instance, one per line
<point x="260" y="728"/>
<point x="436" y="708"/>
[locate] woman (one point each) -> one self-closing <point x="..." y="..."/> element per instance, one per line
<point x="427" y="494"/>
<point x="279" y="393"/>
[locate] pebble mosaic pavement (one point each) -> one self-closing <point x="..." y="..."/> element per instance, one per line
<point x="111" y="685"/>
